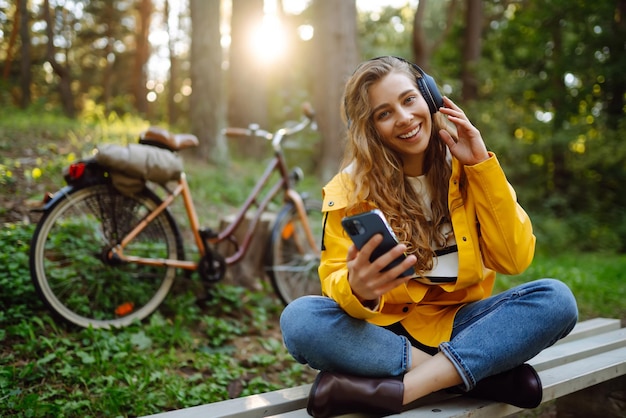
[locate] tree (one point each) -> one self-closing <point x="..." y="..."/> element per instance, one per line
<point x="61" y="69"/>
<point x="247" y="78"/>
<point x="25" y="61"/>
<point x="206" y="79"/>
<point x="471" y="48"/>
<point x="423" y="31"/>
<point x="142" y="53"/>
<point x="173" y="81"/>
<point x="334" y="58"/>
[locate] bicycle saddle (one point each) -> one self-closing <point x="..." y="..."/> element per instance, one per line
<point x="162" y="138"/>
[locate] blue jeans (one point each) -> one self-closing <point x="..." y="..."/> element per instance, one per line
<point x="488" y="337"/>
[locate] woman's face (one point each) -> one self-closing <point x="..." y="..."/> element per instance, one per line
<point x="402" y="119"/>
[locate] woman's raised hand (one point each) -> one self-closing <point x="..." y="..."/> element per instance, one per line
<point x="470" y="148"/>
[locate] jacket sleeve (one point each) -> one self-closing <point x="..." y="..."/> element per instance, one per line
<point x="333" y="270"/>
<point x="505" y="231"/>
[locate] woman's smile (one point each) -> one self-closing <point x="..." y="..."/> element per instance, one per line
<point x="412" y="133"/>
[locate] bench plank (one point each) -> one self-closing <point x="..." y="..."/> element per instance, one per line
<point x="578" y="349"/>
<point x="253" y="406"/>
<point x="591" y="327"/>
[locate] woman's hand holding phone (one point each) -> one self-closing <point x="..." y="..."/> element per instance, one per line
<point x="366" y="278"/>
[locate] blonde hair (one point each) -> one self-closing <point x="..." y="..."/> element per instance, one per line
<point x="377" y="171"/>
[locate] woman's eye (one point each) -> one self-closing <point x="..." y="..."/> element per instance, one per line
<point x="382" y="115"/>
<point x="410" y="99"/>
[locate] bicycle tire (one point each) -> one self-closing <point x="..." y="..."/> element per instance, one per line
<point x="68" y="262"/>
<point x="291" y="263"/>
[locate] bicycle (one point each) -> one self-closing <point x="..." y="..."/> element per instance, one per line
<point x="102" y="258"/>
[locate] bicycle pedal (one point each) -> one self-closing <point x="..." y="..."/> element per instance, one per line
<point x="207" y="233"/>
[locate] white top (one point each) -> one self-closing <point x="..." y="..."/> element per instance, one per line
<point x="446" y="260"/>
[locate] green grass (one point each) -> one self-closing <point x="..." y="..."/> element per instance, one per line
<point x="598" y="281"/>
<point x="186" y="354"/>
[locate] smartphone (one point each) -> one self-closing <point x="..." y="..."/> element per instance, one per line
<point x="364" y="226"/>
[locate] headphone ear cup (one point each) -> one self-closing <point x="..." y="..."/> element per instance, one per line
<point x="427" y="86"/>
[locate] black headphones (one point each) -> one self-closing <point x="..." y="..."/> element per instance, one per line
<point x="426" y="85"/>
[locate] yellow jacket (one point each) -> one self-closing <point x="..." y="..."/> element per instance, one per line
<point x="493" y="234"/>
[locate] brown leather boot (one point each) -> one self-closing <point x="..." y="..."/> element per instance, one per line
<point x="336" y="394"/>
<point x="519" y="386"/>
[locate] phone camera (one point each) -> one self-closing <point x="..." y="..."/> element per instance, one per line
<point x="355" y="228"/>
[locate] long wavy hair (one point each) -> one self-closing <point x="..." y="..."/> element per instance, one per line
<point x="377" y="171"/>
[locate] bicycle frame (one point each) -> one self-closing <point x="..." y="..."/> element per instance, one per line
<point x="182" y="188"/>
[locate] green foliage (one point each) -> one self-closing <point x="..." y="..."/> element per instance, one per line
<point x="187" y="357"/>
<point x="386" y="32"/>
<point x="17" y="297"/>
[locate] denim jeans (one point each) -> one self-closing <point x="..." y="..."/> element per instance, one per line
<point x="488" y="337"/>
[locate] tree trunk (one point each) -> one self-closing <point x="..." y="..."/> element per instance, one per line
<point x="107" y="75"/>
<point x="421" y="49"/>
<point x="558" y="176"/>
<point x="12" y="38"/>
<point x="334" y="58"/>
<point x="617" y="84"/>
<point x="247" y="78"/>
<point x="206" y="79"/>
<point x="471" y="49"/>
<point x="65" y="82"/>
<point x="173" y="82"/>
<point x="25" y="60"/>
<point x="142" y="54"/>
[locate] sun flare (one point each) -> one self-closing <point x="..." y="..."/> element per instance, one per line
<point x="269" y="39"/>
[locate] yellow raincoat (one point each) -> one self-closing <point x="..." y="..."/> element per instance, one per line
<point x="493" y="234"/>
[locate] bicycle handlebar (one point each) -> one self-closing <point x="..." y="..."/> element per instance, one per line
<point x="276" y="137"/>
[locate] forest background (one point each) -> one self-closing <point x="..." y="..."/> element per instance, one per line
<point x="543" y="81"/>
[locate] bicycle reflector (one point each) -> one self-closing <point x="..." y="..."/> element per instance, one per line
<point x="76" y="170"/>
<point x="288" y="231"/>
<point x="124" y="309"/>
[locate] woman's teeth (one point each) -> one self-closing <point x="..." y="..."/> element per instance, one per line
<point x="410" y="134"/>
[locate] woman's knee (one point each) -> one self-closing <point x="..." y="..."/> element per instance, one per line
<point x="294" y="316"/>
<point x="561" y="301"/>
<point x="303" y="317"/>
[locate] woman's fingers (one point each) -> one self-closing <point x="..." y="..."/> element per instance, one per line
<point x="367" y="279"/>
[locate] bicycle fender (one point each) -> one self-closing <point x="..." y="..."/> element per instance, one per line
<point x="60" y="194"/>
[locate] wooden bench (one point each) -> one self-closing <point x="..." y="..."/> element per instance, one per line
<point x="594" y="352"/>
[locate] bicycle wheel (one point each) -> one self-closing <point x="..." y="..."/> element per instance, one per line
<point x="72" y="273"/>
<point x="291" y="262"/>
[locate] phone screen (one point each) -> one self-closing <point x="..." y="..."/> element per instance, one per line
<point x="362" y="227"/>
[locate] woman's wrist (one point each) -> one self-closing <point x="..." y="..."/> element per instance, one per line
<point x="371" y="304"/>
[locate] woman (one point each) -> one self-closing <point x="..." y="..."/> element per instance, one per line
<point x="382" y="341"/>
